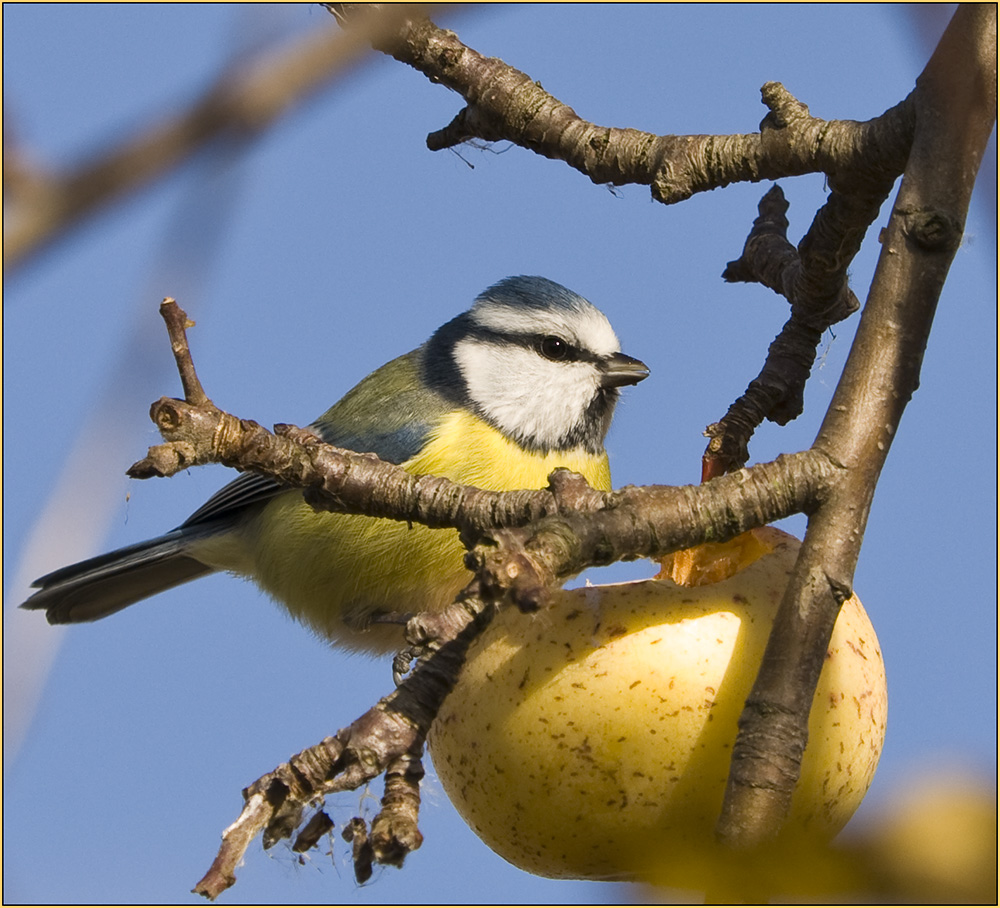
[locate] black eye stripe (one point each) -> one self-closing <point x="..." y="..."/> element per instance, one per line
<point x="535" y="342"/>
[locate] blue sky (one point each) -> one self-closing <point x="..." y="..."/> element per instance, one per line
<point x="327" y="247"/>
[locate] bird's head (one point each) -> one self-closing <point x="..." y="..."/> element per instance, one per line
<point x="538" y="362"/>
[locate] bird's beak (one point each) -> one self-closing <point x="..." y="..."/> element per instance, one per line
<point x="619" y="369"/>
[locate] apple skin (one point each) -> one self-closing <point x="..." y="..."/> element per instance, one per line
<point x="581" y="740"/>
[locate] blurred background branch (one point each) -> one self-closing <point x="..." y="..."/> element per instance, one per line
<point x="41" y="205"/>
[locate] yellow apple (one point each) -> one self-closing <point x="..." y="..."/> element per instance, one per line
<point x="578" y="736"/>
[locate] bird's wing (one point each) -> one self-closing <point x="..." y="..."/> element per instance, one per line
<point x="390" y="413"/>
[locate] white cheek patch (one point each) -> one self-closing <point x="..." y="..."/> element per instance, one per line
<point x="524" y="395"/>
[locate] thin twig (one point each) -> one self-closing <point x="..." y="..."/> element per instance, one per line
<point x="394" y="832"/>
<point x="177" y="324"/>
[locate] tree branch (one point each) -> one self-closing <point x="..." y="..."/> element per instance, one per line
<point x="814" y="281"/>
<point x="505" y="104"/>
<point x="390" y="736"/>
<point x="955" y="104"/>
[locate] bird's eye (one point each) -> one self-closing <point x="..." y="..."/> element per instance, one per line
<point x="554" y="348"/>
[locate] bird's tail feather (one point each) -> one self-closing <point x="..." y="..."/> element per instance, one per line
<point x="106" y="584"/>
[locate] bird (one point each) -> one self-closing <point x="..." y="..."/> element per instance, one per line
<point x="524" y="381"/>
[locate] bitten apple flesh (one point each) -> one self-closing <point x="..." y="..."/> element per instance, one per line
<point x="581" y="740"/>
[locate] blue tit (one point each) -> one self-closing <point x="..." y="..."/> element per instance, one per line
<point x="523" y="382"/>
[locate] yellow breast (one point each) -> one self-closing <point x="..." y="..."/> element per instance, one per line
<point x="338" y="572"/>
<point x="470" y="451"/>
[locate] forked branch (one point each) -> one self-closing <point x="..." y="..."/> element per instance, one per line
<point x="955" y="104"/>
